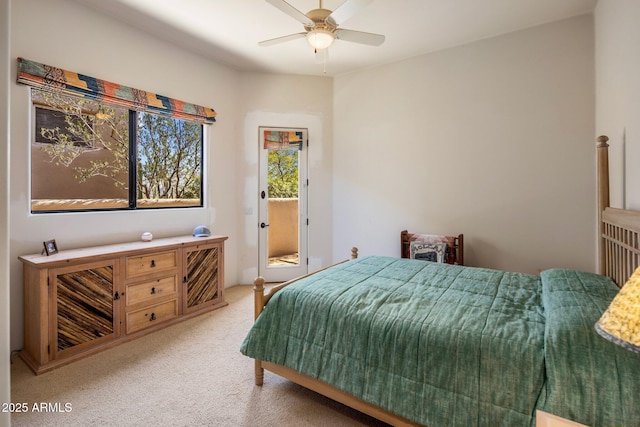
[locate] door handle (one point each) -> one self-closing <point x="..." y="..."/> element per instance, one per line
<point x="263" y="225"/>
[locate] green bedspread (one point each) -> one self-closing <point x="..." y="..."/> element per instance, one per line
<point x="438" y="344"/>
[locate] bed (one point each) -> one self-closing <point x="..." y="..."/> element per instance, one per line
<point x="422" y="343"/>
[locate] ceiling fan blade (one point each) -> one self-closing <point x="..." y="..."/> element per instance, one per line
<point x="282" y="39"/>
<point x="359" y="37"/>
<point x="292" y="11"/>
<point x="347" y="9"/>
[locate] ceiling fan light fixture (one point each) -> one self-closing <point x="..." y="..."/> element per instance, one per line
<point x="320" y="38"/>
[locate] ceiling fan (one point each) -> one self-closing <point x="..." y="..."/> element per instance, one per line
<point x="322" y="25"/>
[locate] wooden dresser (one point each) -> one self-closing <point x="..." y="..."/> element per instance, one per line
<point x="82" y="301"/>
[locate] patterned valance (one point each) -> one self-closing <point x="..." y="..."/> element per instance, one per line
<point x="50" y="78"/>
<point x="282" y="140"/>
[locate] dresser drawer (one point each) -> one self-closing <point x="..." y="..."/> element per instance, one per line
<point x="151" y="290"/>
<point x="151" y="316"/>
<point x="151" y="263"/>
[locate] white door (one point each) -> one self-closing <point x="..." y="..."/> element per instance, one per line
<point x="282" y="197"/>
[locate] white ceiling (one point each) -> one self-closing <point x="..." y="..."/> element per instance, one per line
<point x="228" y="31"/>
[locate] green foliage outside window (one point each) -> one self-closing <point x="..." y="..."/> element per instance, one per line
<point x="169" y="158"/>
<point x="283" y="174"/>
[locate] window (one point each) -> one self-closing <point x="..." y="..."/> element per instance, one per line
<point x="88" y="155"/>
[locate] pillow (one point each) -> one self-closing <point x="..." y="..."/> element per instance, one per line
<point x="427" y="251"/>
<point x="620" y="323"/>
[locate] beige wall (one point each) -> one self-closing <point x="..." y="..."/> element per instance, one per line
<point x="493" y="139"/>
<point x="618" y="95"/>
<point x="66" y="185"/>
<point x="283" y="227"/>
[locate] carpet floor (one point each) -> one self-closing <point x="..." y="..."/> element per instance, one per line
<point x="189" y="374"/>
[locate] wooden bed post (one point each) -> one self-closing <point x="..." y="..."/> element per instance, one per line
<point x="603" y="194"/>
<point x="258" y="301"/>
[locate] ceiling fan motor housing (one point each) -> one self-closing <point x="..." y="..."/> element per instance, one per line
<point x="321" y="20"/>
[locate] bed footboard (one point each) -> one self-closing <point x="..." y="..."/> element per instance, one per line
<point x="260" y="299"/>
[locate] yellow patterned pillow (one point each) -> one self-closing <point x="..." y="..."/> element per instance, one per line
<point x="621" y="322"/>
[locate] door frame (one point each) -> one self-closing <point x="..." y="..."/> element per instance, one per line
<point x="281" y="273"/>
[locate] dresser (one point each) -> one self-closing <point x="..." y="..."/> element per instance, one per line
<point x="81" y="301"/>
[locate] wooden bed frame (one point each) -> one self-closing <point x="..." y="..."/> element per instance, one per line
<point x="619" y="229"/>
<point x="260" y="301"/>
<point x="619" y="250"/>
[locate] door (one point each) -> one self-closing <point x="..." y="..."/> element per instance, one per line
<point x="282" y="219"/>
<point x="203" y="273"/>
<point x="83" y="307"/>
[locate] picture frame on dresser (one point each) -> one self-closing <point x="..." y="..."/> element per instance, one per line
<point x="50" y="247"/>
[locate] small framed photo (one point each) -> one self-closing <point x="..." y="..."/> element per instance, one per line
<point x="50" y="247"/>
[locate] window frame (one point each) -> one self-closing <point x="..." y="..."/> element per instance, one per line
<point x="133" y="117"/>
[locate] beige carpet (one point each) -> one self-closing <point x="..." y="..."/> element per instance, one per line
<point x="190" y="374"/>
